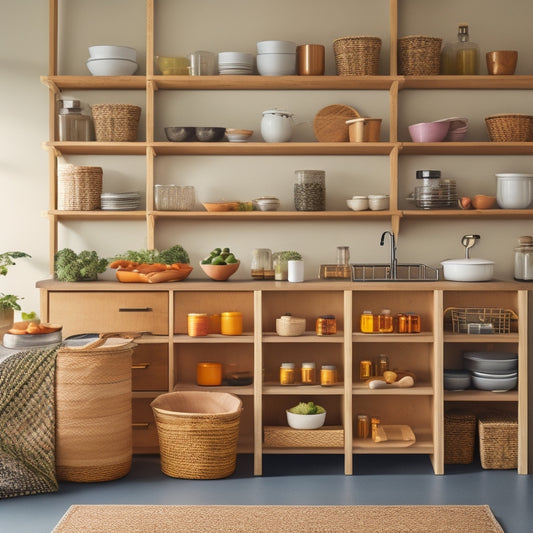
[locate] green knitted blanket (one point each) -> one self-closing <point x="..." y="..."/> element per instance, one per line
<point x="27" y="423"/>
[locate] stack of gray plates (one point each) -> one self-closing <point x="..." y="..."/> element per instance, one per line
<point x="120" y="201"/>
<point x="493" y="371"/>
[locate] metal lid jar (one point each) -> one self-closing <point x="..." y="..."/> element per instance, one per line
<point x="523" y="259"/>
<point x="310" y="190"/>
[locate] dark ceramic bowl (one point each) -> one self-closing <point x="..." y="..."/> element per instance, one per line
<point x="180" y="134"/>
<point x="210" y="134"/>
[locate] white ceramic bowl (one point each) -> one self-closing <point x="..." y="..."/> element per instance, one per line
<point x="266" y="203"/>
<point x="494" y="383"/>
<point x="378" y="202"/>
<point x="237" y="135"/>
<point x="276" y="47"/>
<point x="358" y="203"/>
<point x="105" y="51"/>
<point x="470" y="269"/>
<point x="297" y="421"/>
<point x="514" y="190"/>
<point x="491" y="362"/>
<point x="111" y="67"/>
<point x="276" y="64"/>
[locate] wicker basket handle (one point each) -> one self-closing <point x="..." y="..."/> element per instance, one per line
<point x="103" y="337"/>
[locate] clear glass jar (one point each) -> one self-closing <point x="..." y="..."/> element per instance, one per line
<point x="72" y="124"/>
<point x="368" y="322"/>
<point x="287" y="374"/>
<point x="365" y="370"/>
<point x="382" y="364"/>
<point x="408" y="323"/>
<point x="308" y="371"/>
<point x="523" y="259"/>
<point x="328" y="375"/>
<point x="326" y="325"/>
<point x="385" y="321"/>
<point x="461" y="56"/>
<point x="310" y="190"/>
<point x="262" y="266"/>
<point x="363" y="426"/>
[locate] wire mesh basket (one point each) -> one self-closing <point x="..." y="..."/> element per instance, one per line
<point x="496" y="319"/>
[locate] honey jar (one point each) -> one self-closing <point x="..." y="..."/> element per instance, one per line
<point x="375" y="428"/>
<point x="326" y="325"/>
<point x="287" y="374"/>
<point x="197" y="324"/>
<point x="385" y="322"/>
<point x="408" y="323"/>
<point x="328" y="375"/>
<point x="382" y="364"/>
<point x="209" y="374"/>
<point x="308" y="371"/>
<point x="368" y="322"/>
<point x="365" y="370"/>
<point x="231" y="323"/>
<point x="363" y="426"/>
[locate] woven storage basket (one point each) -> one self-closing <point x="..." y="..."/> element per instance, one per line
<point x="357" y="56"/>
<point x="459" y="437"/>
<point x="286" y="437"/>
<point x="93" y="410"/>
<point x="419" y="55"/>
<point x="198" y="433"/>
<point x="79" y="188"/>
<point x="514" y="127"/>
<point x="498" y="442"/>
<point x="116" y="122"/>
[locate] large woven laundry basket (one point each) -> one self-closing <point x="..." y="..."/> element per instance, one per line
<point x="93" y="409"/>
<point x="198" y="433"/>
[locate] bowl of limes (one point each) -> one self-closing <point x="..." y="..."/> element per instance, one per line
<point x="220" y="264"/>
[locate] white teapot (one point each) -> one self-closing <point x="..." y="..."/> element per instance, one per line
<point x="277" y="126"/>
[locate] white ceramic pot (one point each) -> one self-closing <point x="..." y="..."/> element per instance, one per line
<point x="277" y="126"/>
<point x="514" y="190"/>
<point x="468" y="269"/>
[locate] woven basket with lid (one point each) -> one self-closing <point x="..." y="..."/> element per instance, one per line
<point x="419" y="55"/>
<point x="116" y="122"/>
<point x="357" y="55"/>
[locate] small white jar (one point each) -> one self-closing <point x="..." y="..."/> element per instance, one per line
<point x="277" y="126"/>
<point x="378" y="202"/>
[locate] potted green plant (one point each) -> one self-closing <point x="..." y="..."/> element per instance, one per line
<point x="280" y="261"/>
<point x="9" y="303"/>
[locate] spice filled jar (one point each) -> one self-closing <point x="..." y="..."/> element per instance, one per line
<point x="310" y="190"/>
<point x="231" y="323"/>
<point x="287" y="374"/>
<point x="523" y="259"/>
<point x="328" y="375"/>
<point x="197" y="324"/>
<point x="326" y="325"/>
<point x="308" y="372"/>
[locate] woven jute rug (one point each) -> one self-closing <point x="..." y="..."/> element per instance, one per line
<point x="278" y="518"/>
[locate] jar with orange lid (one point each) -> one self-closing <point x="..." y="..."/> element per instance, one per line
<point x="197" y="324"/>
<point x="209" y="373"/>
<point x="231" y="323"/>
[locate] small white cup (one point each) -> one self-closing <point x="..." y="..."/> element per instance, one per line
<point x="378" y="202"/>
<point x="295" y="270"/>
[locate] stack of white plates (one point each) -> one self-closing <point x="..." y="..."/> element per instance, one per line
<point x="235" y="63"/>
<point x="493" y="371"/>
<point x="120" y="201"/>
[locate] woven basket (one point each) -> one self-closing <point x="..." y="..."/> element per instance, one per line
<point x="116" y="122"/>
<point x="459" y="437"/>
<point x="198" y="433"/>
<point x="357" y="56"/>
<point x="93" y="410"/>
<point x="419" y="55"/>
<point x="286" y="437"/>
<point x="79" y="188"/>
<point x="498" y="442"/>
<point x="514" y="127"/>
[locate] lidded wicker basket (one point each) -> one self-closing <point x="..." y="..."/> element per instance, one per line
<point x="357" y="55"/>
<point x="512" y="127"/>
<point x="419" y="55"/>
<point x="79" y="188"/>
<point x="116" y="122"/>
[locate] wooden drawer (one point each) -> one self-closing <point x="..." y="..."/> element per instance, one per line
<point x="150" y="367"/>
<point x="98" y="312"/>
<point x="144" y="428"/>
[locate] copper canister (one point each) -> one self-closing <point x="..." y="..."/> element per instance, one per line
<point x="197" y="324"/>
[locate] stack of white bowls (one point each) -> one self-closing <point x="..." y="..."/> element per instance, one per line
<point x="235" y="63"/>
<point x="493" y="371"/>
<point x="276" y="58"/>
<point x="109" y="60"/>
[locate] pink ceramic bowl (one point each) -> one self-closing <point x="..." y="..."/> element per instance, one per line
<point x="429" y="132"/>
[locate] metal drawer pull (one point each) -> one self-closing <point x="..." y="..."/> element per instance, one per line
<point x="140" y="366"/>
<point x="140" y="425"/>
<point x="135" y="309"/>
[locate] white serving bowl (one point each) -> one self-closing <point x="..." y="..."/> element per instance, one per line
<point x="468" y="269"/>
<point x="514" y="190"/>
<point x="495" y="383"/>
<point x="358" y="203"/>
<point x="276" y="47"/>
<point x="491" y="362"/>
<point x="266" y="203"/>
<point x="276" y="64"/>
<point x="111" y="67"/>
<point x="298" y="421"/>
<point x="105" y="51"/>
<point x="378" y="202"/>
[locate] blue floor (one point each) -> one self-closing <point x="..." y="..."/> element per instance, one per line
<point x="292" y="480"/>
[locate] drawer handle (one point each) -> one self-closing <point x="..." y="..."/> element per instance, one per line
<point x="140" y="366"/>
<point x="135" y="309"/>
<point x="140" y="425"/>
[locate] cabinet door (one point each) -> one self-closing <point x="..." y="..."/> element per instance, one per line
<point x="97" y="312"/>
<point x="145" y="438"/>
<point x="150" y="367"/>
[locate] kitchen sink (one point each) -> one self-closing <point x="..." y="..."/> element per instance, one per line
<point x="404" y="272"/>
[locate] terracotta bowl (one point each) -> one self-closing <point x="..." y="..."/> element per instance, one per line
<point x="221" y="206"/>
<point x="220" y="272"/>
<point x="482" y="201"/>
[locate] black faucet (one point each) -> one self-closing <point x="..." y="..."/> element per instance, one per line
<point x="393" y="260"/>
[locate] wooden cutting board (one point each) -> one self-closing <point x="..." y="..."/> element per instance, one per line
<point x="330" y="125"/>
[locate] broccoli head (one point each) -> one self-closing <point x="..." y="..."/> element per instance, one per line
<point x="84" y="266"/>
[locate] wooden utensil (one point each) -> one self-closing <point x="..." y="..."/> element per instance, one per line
<point x="330" y="125"/>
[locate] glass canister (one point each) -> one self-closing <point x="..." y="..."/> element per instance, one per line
<point x="385" y="321"/>
<point x="197" y="324"/>
<point x="523" y="259"/>
<point x="310" y="190"/>
<point x="262" y="266"/>
<point x="72" y="124"/>
<point x="408" y="323"/>
<point x="365" y="370"/>
<point x="287" y="374"/>
<point x="326" y="325"/>
<point x="308" y="371"/>
<point x="368" y="322"/>
<point x="363" y="426"/>
<point x="231" y="323"/>
<point x="382" y="364"/>
<point x="328" y="375"/>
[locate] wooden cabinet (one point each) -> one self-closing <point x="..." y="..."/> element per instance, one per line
<point x="165" y="362"/>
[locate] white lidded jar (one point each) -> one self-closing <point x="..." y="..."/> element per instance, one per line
<point x="514" y="190"/>
<point x="277" y="126"/>
<point x="523" y="259"/>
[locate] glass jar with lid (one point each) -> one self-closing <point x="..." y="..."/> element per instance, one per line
<point x="72" y="124"/>
<point x="523" y="259"/>
<point x="310" y="190"/>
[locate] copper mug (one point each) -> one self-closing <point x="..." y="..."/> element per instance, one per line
<point x="501" y="62"/>
<point x="310" y="59"/>
<point x="364" y="129"/>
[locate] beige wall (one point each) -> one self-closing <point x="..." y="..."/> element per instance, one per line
<point x="188" y="25"/>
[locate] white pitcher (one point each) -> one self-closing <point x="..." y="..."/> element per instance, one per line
<point x="277" y="126"/>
